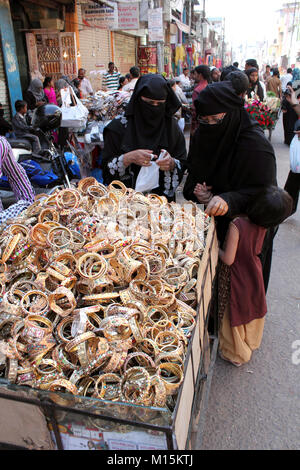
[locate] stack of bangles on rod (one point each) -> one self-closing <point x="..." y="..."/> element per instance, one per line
<point x="98" y="293"/>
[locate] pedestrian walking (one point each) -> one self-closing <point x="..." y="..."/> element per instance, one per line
<point x="49" y="90"/>
<point x="215" y="74"/>
<point x="256" y="88"/>
<point x="148" y="127"/>
<point x="174" y="83"/>
<point x="242" y="298"/>
<point x="202" y="79"/>
<point x="250" y="64"/>
<point x="267" y="74"/>
<point x="184" y="78"/>
<point x="134" y="76"/>
<point x="34" y="95"/>
<point x="232" y="156"/>
<point x="289" y="106"/>
<point x="292" y="185"/>
<point x="110" y="80"/>
<point x="285" y="79"/>
<point x="274" y="84"/>
<point x="122" y="82"/>
<point x="86" y="88"/>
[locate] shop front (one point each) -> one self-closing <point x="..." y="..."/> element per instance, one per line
<point x="125" y="47"/>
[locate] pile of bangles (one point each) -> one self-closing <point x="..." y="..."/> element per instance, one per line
<point x="98" y="293"/>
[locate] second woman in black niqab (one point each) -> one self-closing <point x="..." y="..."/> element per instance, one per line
<point x="147" y="127"/>
<point x="233" y="157"/>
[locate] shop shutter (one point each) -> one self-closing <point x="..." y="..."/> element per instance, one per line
<point x="4" y="99"/>
<point x="125" y="52"/>
<point x="95" y="51"/>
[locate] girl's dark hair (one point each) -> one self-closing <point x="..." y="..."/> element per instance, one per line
<point x="239" y="80"/>
<point x="47" y="81"/>
<point x="270" y="207"/>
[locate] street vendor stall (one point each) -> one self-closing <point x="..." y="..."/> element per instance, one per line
<point x="88" y="141"/>
<point x="106" y="298"/>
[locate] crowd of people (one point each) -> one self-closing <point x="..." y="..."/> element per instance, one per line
<point x="230" y="168"/>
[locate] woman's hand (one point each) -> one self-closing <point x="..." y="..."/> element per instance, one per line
<point x="203" y="193"/>
<point x="139" y="157"/>
<point x="167" y="163"/>
<point x="217" y="207"/>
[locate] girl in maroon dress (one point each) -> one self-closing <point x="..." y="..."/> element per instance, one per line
<point x="242" y="322"/>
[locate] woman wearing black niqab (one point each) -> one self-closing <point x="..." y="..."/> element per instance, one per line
<point x="232" y="157"/>
<point x="147" y="128"/>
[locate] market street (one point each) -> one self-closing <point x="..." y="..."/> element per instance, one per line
<point x="256" y="407"/>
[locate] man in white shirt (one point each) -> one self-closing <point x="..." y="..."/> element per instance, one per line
<point x="85" y="85"/>
<point x="184" y="78"/>
<point x="285" y="79"/>
<point x="135" y="75"/>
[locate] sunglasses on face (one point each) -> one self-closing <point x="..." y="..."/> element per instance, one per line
<point x="212" y="120"/>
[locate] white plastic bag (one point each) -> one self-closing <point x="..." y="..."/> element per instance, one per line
<point x="74" y="116"/>
<point x="148" y="177"/>
<point x="295" y="155"/>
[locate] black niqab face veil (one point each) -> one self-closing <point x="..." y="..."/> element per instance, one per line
<point x="147" y="124"/>
<point x="212" y="158"/>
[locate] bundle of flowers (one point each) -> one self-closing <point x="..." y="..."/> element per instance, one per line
<point x="261" y="113"/>
<point x="272" y="102"/>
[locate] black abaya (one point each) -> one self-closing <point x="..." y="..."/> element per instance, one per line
<point x="233" y="157"/>
<point x="146" y="127"/>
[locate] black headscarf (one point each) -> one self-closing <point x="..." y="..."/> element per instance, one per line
<point x="233" y="154"/>
<point x="254" y="87"/>
<point x="148" y="125"/>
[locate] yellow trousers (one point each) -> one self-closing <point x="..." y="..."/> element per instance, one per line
<point x="238" y="343"/>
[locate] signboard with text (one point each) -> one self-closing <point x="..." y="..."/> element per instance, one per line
<point x="96" y="16"/>
<point x="155" y="24"/>
<point x="128" y="16"/>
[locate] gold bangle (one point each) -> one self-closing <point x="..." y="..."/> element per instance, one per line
<point x="37" y="351"/>
<point x="173" y="382"/>
<point x="41" y="310"/>
<point x="135" y="385"/>
<point x="147" y="359"/>
<point x="87" y="263"/>
<point x="110" y="392"/>
<point x="10" y="247"/>
<point x="71" y="345"/>
<point x="56" y="296"/>
<point x="63" y="383"/>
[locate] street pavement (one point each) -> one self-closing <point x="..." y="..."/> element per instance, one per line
<point x="257" y="406"/>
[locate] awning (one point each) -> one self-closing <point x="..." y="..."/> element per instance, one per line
<point x="183" y="27"/>
<point x="49" y="3"/>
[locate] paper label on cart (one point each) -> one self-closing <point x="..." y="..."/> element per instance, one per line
<point x="76" y="437"/>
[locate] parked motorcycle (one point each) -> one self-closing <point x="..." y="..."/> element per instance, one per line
<point x="52" y="167"/>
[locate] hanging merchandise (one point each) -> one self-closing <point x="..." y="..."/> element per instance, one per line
<point x="147" y="59"/>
